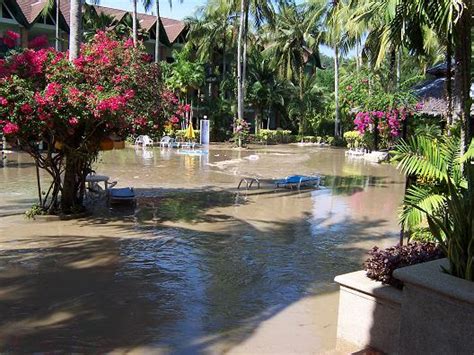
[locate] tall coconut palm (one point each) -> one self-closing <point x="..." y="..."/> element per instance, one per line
<point x="75" y="29"/>
<point x="341" y="35"/>
<point x="261" y="10"/>
<point x="54" y="4"/>
<point x="404" y="21"/>
<point x="294" y="42"/>
<point x="210" y="34"/>
<point x="266" y="89"/>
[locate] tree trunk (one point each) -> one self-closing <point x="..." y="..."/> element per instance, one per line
<point x="301" y="95"/>
<point x="75" y="33"/>
<point x="393" y="69"/>
<point x="224" y="47"/>
<point x="244" y="54"/>
<point x="337" y="123"/>
<point x="68" y="195"/>
<point x="399" y="67"/>
<point x="157" y="32"/>
<point x="463" y="51"/>
<point x="56" y="42"/>
<point x="240" y="98"/>
<point x="357" y="56"/>
<point x="134" y="23"/>
<point x="449" y="82"/>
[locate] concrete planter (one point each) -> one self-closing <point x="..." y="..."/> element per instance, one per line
<point x="437" y="314"/>
<point x="369" y="312"/>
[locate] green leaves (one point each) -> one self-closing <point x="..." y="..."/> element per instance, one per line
<point x="444" y="195"/>
<point x="427" y="158"/>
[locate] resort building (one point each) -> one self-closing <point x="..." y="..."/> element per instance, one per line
<point x="27" y="18"/>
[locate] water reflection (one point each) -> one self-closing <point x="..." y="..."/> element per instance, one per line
<point x="196" y="267"/>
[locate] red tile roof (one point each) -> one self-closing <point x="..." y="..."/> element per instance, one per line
<point x="173" y="28"/>
<point x="31" y="9"/>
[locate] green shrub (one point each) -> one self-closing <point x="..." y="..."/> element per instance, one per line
<point x="269" y="136"/>
<point x="353" y="139"/>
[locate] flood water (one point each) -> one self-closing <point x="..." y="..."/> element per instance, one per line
<point x="196" y="266"/>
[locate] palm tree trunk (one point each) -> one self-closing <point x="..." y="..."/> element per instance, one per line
<point x="224" y="47"/>
<point x="157" y="32"/>
<point x="240" y="98"/>
<point x="134" y="23"/>
<point x="301" y="94"/>
<point x="399" y="67"/>
<point x="449" y="82"/>
<point x="244" y="55"/>
<point x="463" y="52"/>
<point x="75" y="34"/>
<point x="357" y="56"/>
<point x="56" y="42"/>
<point x="337" y="129"/>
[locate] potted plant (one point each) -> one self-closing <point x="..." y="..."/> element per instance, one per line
<point x="370" y="300"/>
<point x="438" y="300"/>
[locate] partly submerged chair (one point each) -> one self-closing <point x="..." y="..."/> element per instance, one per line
<point x="144" y="141"/>
<point x="121" y="195"/>
<point x="298" y="181"/>
<point x="166" y="141"/>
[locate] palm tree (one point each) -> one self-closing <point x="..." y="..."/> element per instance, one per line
<point x="266" y="89"/>
<point x="295" y="42"/>
<point x="404" y="21"/>
<point x="46" y="10"/>
<point x="443" y="195"/>
<point x="261" y="10"/>
<point x="210" y="34"/>
<point x="342" y="35"/>
<point x="75" y="31"/>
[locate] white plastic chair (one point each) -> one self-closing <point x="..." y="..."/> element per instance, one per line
<point x="165" y="141"/>
<point x="139" y="141"/>
<point x="147" y="141"/>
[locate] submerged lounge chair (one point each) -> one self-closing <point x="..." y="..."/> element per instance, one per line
<point x="298" y="181"/>
<point x="144" y="141"/>
<point x="121" y="195"/>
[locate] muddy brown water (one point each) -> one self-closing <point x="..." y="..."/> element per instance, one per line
<point x="196" y="266"/>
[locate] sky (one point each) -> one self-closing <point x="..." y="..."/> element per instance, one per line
<point x="179" y="10"/>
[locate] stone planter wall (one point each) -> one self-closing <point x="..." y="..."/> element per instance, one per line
<point x="434" y="314"/>
<point x="437" y="315"/>
<point x="369" y="312"/>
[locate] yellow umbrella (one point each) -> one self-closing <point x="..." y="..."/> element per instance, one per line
<point x="189" y="134"/>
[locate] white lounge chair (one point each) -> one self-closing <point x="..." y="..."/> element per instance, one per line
<point x="166" y="141"/>
<point x="144" y="141"/>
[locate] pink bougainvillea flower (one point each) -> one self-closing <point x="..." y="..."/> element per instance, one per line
<point x="39" y="42"/>
<point x="26" y="109"/>
<point x="13" y="35"/>
<point x="73" y="121"/>
<point x="3" y="101"/>
<point x="9" y="42"/>
<point x="10" y="129"/>
<point x="52" y="89"/>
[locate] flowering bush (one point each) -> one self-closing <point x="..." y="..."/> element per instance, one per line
<point x="111" y="89"/>
<point x="241" y="131"/>
<point x="382" y="263"/>
<point x="9" y="41"/>
<point x="387" y="124"/>
<point x="381" y="113"/>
